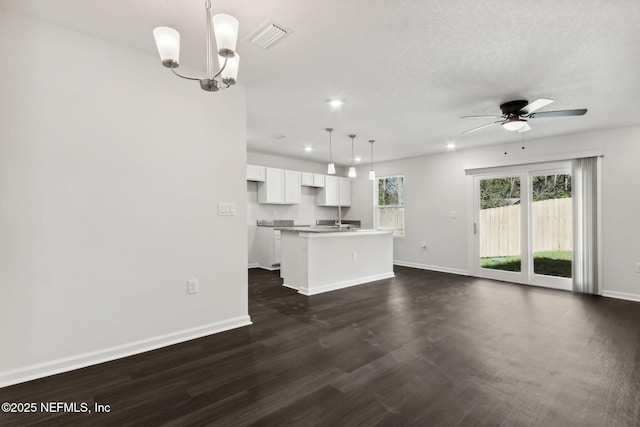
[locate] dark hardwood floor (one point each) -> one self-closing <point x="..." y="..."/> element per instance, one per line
<point x="425" y="348"/>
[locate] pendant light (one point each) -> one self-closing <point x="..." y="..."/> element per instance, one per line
<point x="372" y="173"/>
<point x="352" y="170"/>
<point x="331" y="169"/>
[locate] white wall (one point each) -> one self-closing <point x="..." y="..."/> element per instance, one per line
<point x="437" y="185"/>
<point x="110" y="174"/>
<point x="307" y="212"/>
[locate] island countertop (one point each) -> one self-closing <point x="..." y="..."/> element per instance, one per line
<point x="323" y="259"/>
<point x="332" y="230"/>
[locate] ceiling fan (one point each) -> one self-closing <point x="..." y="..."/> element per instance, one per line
<point x="514" y="114"/>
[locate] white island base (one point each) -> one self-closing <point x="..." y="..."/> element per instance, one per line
<point x="314" y="262"/>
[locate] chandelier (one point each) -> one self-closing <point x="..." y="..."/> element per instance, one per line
<point x="225" y="29"/>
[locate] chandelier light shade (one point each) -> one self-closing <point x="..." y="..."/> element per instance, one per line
<point x="372" y="173"/>
<point x="225" y="29"/>
<point x="331" y="168"/>
<point x="168" y="43"/>
<point x="230" y="72"/>
<point x="352" y="169"/>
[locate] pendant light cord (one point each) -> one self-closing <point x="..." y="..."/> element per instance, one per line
<point x="352" y="136"/>
<point x="371" y="142"/>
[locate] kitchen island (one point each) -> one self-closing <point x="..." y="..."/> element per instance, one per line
<point x="322" y="259"/>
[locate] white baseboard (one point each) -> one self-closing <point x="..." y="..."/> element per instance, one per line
<point x="621" y="295"/>
<point x="290" y="287"/>
<point x="345" y="284"/>
<point x="253" y="265"/>
<point x="431" y="267"/>
<point x="71" y="363"/>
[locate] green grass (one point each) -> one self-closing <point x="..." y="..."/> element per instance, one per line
<point x="548" y="263"/>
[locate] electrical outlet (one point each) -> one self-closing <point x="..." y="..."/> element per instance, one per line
<point x="192" y="286"/>
<point x="354" y="256"/>
<point x="637" y="267"/>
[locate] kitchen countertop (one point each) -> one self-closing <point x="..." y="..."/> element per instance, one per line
<point x="332" y="230"/>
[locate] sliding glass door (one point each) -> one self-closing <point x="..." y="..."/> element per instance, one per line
<point x="500" y="216"/>
<point x="522" y="228"/>
<point x="551" y="228"/>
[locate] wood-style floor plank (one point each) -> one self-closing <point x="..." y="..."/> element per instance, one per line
<point x="423" y="348"/>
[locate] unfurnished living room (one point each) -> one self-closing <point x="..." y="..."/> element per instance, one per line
<point x="319" y="213"/>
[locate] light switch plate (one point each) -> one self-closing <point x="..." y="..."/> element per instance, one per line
<point x="226" y="208"/>
<point x="192" y="286"/>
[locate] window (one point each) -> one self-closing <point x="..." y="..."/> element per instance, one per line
<point x="389" y="204"/>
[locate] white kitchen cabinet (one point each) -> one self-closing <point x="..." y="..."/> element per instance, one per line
<point x="279" y="187"/>
<point x="306" y="179"/>
<point x="269" y="248"/>
<point x="336" y="191"/>
<point x="344" y="191"/>
<point x="277" y="247"/>
<point x="312" y="179"/>
<point x="328" y="195"/>
<point x="272" y="189"/>
<point x="255" y="173"/>
<point x="292" y="191"/>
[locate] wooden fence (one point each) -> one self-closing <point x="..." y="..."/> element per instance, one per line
<point x="391" y="219"/>
<point x="552" y="228"/>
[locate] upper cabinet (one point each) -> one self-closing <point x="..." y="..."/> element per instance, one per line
<point x="344" y="191"/>
<point x="292" y="193"/>
<point x="336" y="191"/>
<point x="312" y="179"/>
<point x="255" y="173"/>
<point x="283" y="187"/>
<point x="279" y="187"/>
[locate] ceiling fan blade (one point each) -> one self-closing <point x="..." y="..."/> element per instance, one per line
<point x="482" y="127"/>
<point x="559" y="113"/>
<point x="481" y="117"/>
<point x="525" y="128"/>
<point x="536" y="105"/>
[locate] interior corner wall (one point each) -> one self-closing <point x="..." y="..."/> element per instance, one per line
<point x="111" y="171"/>
<point x="436" y="189"/>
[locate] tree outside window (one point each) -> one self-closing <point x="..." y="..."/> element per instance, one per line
<point x="390" y="204"/>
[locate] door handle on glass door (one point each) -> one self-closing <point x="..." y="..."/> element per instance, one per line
<point x="475" y="228"/>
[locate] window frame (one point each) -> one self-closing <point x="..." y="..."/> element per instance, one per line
<point x="376" y="219"/>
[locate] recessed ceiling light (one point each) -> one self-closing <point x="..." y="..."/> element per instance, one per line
<point x="308" y="149"/>
<point x="358" y="159"/>
<point x="336" y="103"/>
<point x="451" y="145"/>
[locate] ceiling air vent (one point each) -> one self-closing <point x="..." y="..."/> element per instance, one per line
<point x="268" y="34"/>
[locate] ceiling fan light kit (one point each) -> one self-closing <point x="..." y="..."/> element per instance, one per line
<point x="514" y="114"/>
<point x="225" y="29"/>
<point x="514" y="123"/>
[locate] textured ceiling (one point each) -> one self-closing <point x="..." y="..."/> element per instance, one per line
<point x="407" y="70"/>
